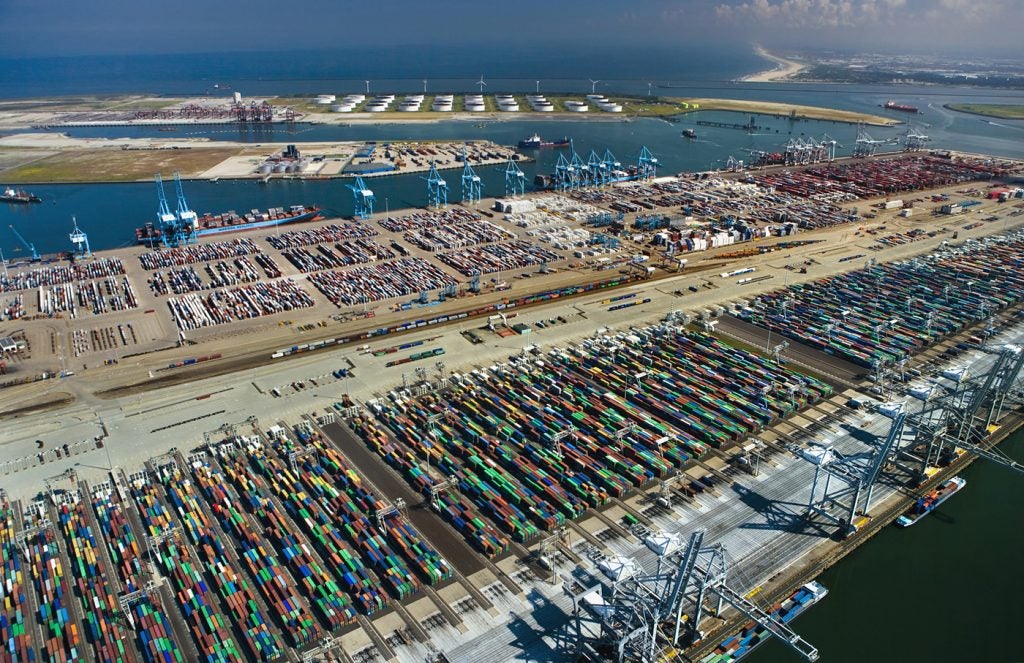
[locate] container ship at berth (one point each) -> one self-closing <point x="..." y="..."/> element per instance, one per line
<point x="931" y="501"/>
<point x="228" y="222"/>
<point x="535" y="142"/>
<point x="904" y="108"/>
<point x="19" y="196"/>
<point x="742" y="643"/>
<point x="550" y="182"/>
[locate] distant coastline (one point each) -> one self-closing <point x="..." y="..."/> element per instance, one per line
<point x="783" y="70"/>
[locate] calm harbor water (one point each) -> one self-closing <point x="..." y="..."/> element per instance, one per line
<point x="110" y="212"/>
<point x="946" y="589"/>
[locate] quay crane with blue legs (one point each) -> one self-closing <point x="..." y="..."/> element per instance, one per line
<point x="28" y="245"/>
<point x="472" y="185"/>
<point x="437" y="188"/>
<point x="363" y="199"/>
<point x="187" y="220"/>
<point x="515" y="179"/>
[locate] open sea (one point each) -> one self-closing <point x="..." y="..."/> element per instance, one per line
<point x="947" y="589"/>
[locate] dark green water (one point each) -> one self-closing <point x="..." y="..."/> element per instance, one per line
<point x="947" y="589"/>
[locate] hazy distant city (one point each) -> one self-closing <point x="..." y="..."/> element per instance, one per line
<point x="868" y="68"/>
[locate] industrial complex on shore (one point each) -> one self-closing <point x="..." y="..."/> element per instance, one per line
<point x="630" y="417"/>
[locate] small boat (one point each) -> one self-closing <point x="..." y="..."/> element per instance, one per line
<point x="689" y="133"/>
<point x="19" y="196"/>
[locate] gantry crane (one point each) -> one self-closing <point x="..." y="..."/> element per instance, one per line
<point x="363" y="199"/>
<point x="634" y="614"/>
<point x="28" y="245"/>
<point x="79" y="240"/>
<point x="187" y="220"/>
<point x="166" y="220"/>
<point x="437" y="188"/>
<point x="647" y="165"/>
<point x="866" y="146"/>
<point x="857" y="475"/>
<point x="472" y="185"/>
<point x="515" y="180"/>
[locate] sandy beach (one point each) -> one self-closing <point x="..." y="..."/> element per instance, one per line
<point x="783" y="70"/>
<point x="785" y="110"/>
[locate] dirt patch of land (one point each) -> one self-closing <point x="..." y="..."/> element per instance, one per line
<point x="109" y="165"/>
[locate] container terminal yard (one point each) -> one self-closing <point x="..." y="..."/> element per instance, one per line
<point x="619" y="422"/>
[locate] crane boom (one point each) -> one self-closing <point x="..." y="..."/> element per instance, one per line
<point x="28" y="245"/>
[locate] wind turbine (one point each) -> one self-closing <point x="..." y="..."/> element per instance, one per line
<point x="367" y="87"/>
<point x="593" y="85"/>
<point x="538" y="87"/>
<point x="649" y="86"/>
<point x="424" y="86"/>
<point x="481" y="83"/>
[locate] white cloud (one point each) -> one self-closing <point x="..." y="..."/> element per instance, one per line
<point x="859" y="13"/>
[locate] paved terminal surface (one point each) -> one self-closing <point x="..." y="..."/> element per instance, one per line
<point x="757" y="519"/>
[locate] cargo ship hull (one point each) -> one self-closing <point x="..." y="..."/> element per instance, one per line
<point x="931" y="501"/>
<point x="739" y="645"/>
<point x="213" y="225"/>
<point x="535" y="142"/>
<point x="903" y="108"/>
<point x="549" y="183"/>
<point x="19" y="197"/>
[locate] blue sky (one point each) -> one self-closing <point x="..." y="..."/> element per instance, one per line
<point x="72" y="27"/>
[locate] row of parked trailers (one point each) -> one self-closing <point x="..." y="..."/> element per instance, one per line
<point x="882" y="313"/>
<point x="257" y="557"/>
<point x="636" y="408"/>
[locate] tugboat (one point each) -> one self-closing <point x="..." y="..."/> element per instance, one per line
<point x="19" y="196"/>
<point x="535" y="142"/>
<point x="689" y="133"/>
